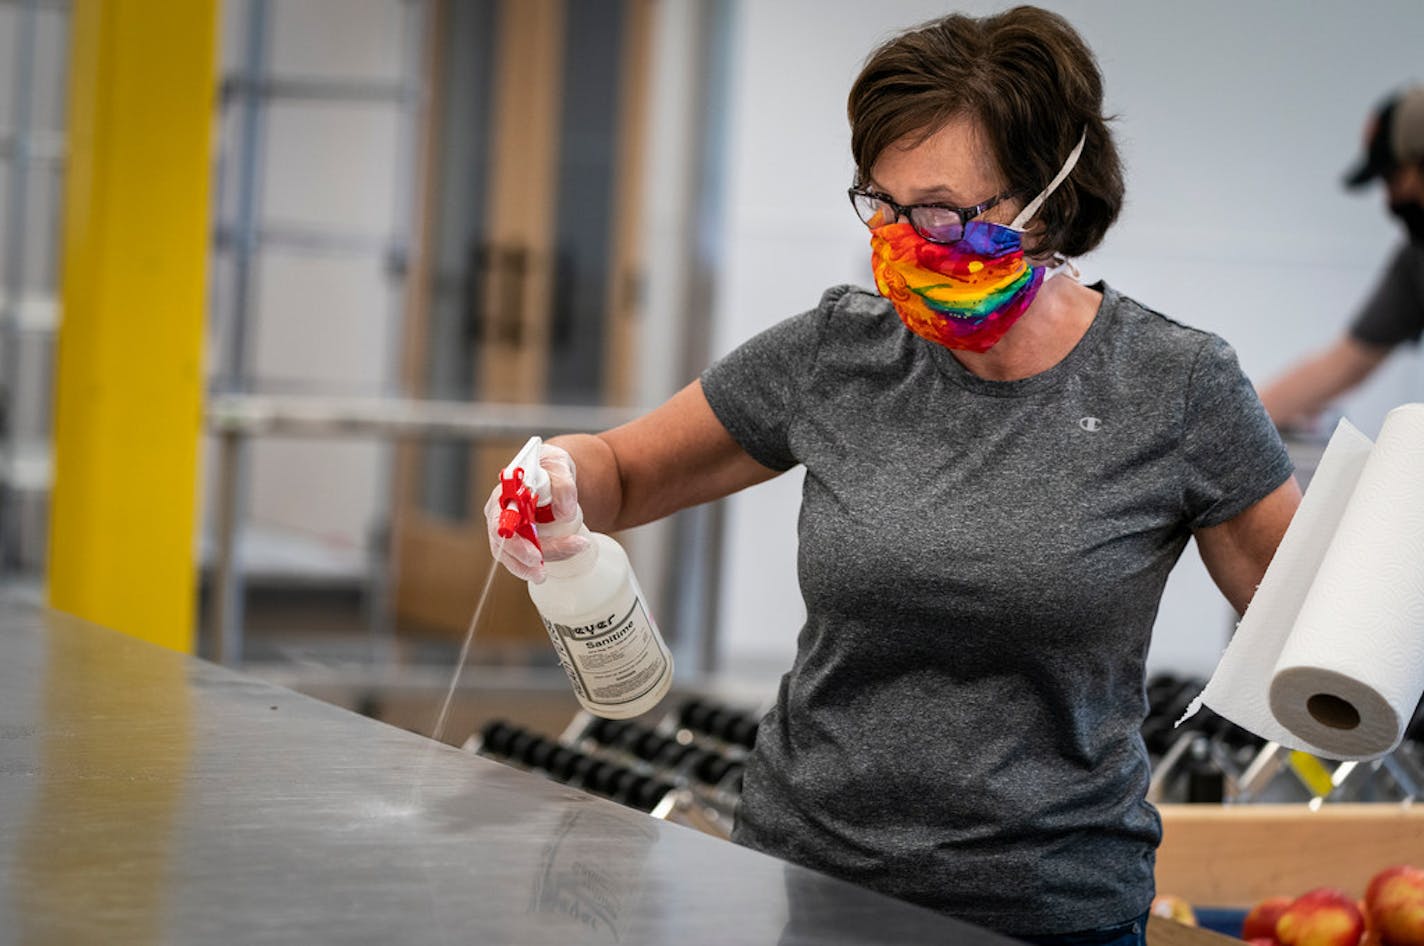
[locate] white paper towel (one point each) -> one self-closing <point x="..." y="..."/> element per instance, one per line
<point x="1329" y="657"/>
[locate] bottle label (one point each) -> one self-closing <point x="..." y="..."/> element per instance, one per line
<point x="611" y="660"/>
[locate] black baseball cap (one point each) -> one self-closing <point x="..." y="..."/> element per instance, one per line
<point x="1394" y="136"/>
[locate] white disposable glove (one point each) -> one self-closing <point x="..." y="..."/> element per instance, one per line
<point x="517" y="553"/>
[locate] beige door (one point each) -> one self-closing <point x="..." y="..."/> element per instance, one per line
<point x="524" y="289"/>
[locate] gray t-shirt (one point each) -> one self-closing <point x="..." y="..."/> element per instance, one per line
<point x="1394" y="312"/>
<point x="981" y="564"/>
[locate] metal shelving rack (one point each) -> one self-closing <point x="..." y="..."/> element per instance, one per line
<point x="241" y="234"/>
<point x="28" y="316"/>
<point x="236" y="413"/>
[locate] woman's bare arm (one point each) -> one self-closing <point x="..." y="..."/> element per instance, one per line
<point x="675" y="456"/>
<point x="1237" y="551"/>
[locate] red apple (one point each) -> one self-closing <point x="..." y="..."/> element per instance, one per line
<point x="1260" y="922"/>
<point x="1263" y="941"/>
<point x="1323" y="917"/>
<point x="1371" y="937"/>
<point x="1395" y="901"/>
<point x="1175" y="908"/>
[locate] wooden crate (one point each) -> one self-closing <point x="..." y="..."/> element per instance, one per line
<point x="1233" y="856"/>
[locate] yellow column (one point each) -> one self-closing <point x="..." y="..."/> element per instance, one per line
<point x="128" y="388"/>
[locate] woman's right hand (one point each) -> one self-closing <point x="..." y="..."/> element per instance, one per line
<point x="518" y="554"/>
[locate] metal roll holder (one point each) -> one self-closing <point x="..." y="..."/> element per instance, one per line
<point x="708" y="778"/>
<point x="1278" y="770"/>
<point x="1200" y="760"/>
<point x="686" y="769"/>
<point x="627" y="763"/>
<point x="1209" y="759"/>
<point x="642" y="746"/>
<point x="523" y="749"/>
<point x="731" y="730"/>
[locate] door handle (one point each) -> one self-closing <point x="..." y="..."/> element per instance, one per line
<point x="477" y="270"/>
<point x="509" y="329"/>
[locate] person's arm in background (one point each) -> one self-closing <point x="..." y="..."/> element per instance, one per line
<point x="1237" y="551"/>
<point x="1305" y="389"/>
<point x="1392" y="314"/>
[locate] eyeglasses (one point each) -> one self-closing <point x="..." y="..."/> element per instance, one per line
<point x="938" y="223"/>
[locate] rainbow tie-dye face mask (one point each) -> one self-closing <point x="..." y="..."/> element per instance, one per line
<point x="964" y="295"/>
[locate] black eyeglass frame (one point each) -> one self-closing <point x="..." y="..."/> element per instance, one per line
<point x="965" y="214"/>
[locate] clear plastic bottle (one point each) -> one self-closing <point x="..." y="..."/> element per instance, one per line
<point x="600" y="626"/>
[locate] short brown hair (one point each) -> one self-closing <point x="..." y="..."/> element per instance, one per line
<point x="1034" y="87"/>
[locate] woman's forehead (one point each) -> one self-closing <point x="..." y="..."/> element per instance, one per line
<point x="950" y="163"/>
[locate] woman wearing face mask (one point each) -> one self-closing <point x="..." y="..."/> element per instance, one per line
<point x="1002" y="466"/>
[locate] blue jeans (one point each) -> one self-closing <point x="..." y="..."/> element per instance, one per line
<point x="1131" y="933"/>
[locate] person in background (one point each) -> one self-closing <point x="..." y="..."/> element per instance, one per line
<point x="1002" y="465"/>
<point x="1394" y="312"/>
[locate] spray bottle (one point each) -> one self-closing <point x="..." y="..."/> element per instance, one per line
<point x="590" y="604"/>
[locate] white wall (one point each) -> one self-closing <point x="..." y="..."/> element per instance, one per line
<point x="1235" y="121"/>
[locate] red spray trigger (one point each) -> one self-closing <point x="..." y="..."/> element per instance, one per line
<point x="518" y="510"/>
<point x="524" y="495"/>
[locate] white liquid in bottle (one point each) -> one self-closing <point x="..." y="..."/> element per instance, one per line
<point x="599" y="623"/>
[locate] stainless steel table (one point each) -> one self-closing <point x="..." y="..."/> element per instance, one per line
<point x="147" y="797"/>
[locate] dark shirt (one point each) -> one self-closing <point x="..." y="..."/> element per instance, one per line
<point x="1394" y="312"/>
<point x="981" y="564"/>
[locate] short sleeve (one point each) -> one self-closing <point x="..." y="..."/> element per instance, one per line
<point x="1394" y="312"/>
<point x="1233" y="454"/>
<point x="755" y="389"/>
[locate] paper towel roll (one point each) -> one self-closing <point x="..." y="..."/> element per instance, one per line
<point x="1329" y="657"/>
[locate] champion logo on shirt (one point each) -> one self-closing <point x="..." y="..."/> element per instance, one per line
<point x="1091" y="424"/>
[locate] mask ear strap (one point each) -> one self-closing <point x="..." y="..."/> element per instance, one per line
<point x="1027" y="213"/>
